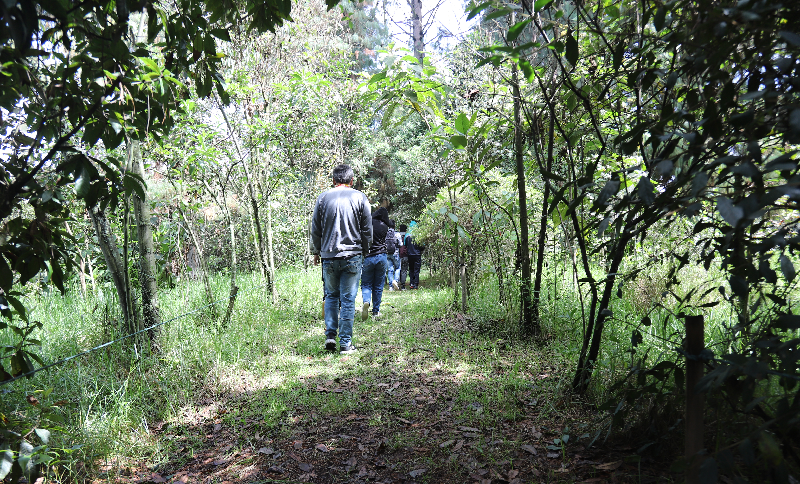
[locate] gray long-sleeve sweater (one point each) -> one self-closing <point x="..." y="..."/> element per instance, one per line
<point x="341" y="225"/>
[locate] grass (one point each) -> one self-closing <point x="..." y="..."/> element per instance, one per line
<point x="423" y="375"/>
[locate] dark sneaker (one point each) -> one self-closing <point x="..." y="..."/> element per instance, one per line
<point x="330" y="344"/>
<point x="348" y="349"/>
<point x="377" y="315"/>
<point x="365" y="311"/>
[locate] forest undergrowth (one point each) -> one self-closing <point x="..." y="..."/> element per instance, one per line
<point x="433" y="395"/>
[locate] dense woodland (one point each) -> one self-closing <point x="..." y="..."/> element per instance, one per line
<point x="590" y="179"/>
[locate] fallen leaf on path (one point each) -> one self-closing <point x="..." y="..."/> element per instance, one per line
<point x="298" y="444"/>
<point x="219" y="462"/>
<point x="157" y="478"/>
<point x="353" y="461"/>
<point x="553" y="455"/>
<point x="609" y="466"/>
<point x="417" y="472"/>
<point x="512" y="474"/>
<point x="407" y="422"/>
<point x="458" y="446"/>
<point x="305" y="467"/>
<point x="266" y="450"/>
<point x="321" y="447"/>
<point x="217" y="427"/>
<point x="468" y="429"/>
<point x="446" y="444"/>
<point x="530" y="449"/>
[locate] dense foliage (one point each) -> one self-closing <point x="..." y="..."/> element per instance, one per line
<point x="602" y="154"/>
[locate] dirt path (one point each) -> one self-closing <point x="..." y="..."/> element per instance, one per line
<point x="419" y="403"/>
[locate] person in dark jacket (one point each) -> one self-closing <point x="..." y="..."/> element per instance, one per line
<point x="374" y="270"/>
<point x="414" y="256"/>
<point x="402" y="251"/>
<point x="341" y="231"/>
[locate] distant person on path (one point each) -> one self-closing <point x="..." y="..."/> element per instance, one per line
<point x="374" y="272"/>
<point x="392" y="257"/>
<point x="414" y="256"/>
<point x="402" y="251"/>
<point x="341" y="232"/>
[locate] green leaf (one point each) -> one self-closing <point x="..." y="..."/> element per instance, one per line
<point x="729" y="212"/>
<point x="82" y="183"/>
<point x="6" y="460"/>
<point x="541" y="4"/>
<point x="497" y="14"/>
<point x="645" y="190"/>
<point x="221" y="34"/>
<point x="151" y="64"/>
<point x="790" y="37"/>
<point x="462" y="123"/>
<point x="480" y="8"/>
<point x="43" y="434"/>
<point x="571" y="52"/>
<point x="377" y="77"/>
<point x="787" y="268"/>
<point x="658" y="20"/>
<point x="515" y="30"/>
<point x="133" y="184"/>
<point x="6" y="276"/>
<point x="619" y="53"/>
<point x="453" y="217"/>
<point x="458" y="142"/>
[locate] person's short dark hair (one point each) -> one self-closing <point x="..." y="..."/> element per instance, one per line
<point x="342" y="174"/>
<point x="402" y="228"/>
<point x="390" y="224"/>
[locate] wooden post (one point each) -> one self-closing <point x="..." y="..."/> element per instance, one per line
<point x="695" y="343"/>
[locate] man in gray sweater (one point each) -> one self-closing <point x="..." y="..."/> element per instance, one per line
<point x="341" y="232"/>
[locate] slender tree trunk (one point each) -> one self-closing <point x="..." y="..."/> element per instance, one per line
<point x="147" y="269"/>
<point x="530" y="326"/>
<point x="271" y="253"/>
<point x="234" y="288"/>
<point x="262" y="258"/>
<point x="540" y="249"/>
<point x="105" y="239"/>
<point x="255" y="245"/>
<point x="417" y="32"/>
<point x="132" y="323"/>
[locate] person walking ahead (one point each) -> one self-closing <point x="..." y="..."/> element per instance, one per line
<point x="341" y="232"/>
<point x="414" y="256"/>
<point x="373" y="276"/>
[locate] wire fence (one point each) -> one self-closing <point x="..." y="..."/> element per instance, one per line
<point x="144" y="330"/>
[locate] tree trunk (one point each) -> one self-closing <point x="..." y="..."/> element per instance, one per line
<point x="530" y="326"/>
<point x="105" y="239"/>
<point x="537" y="286"/>
<point x="234" y="288"/>
<point x="147" y="266"/>
<point x="271" y="252"/>
<point x="132" y="325"/>
<point x="262" y="259"/>
<point x="417" y="32"/>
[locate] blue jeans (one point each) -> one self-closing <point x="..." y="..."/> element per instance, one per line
<point x="393" y="264"/>
<point x="372" y="279"/>
<point x="341" y="286"/>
